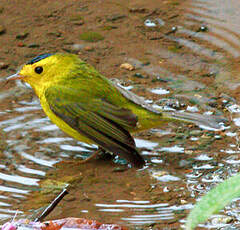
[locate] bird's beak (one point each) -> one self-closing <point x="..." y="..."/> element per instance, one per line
<point x="15" y="76"/>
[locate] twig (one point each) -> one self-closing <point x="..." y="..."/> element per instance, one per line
<point x="52" y="205"/>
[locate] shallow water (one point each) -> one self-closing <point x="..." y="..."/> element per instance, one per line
<point x="184" y="161"/>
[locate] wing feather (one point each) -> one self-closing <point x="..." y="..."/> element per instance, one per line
<point x="98" y="120"/>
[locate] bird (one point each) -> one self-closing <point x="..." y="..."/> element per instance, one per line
<point x="93" y="109"/>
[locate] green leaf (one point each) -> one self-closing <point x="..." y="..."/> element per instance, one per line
<point x="214" y="201"/>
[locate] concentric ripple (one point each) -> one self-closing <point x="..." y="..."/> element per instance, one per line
<point x="185" y="165"/>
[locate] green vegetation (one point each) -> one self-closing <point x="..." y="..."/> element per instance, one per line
<point x="214" y="201"/>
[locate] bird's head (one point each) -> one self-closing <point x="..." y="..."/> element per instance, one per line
<point x="45" y="70"/>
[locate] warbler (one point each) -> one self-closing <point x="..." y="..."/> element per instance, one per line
<point x="91" y="108"/>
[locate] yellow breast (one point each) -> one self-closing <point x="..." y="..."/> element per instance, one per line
<point x="61" y="124"/>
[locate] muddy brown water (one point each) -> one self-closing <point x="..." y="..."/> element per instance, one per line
<point x="186" y="57"/>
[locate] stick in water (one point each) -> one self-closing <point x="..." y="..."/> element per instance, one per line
<point x="52" y="205"/>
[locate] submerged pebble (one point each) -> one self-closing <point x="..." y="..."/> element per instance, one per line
<point x="22" y="35"/>
<point x="3" y="65"/>
<point x="2" y="29"/>
<point x="127" y="66"/>
<point x="149" y="23"/>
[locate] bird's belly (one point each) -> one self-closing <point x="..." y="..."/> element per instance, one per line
<point x="62" y="125"/>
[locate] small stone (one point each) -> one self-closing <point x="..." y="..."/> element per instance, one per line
<point x="203" y="29"/>
<point x="33" y="45"/>
<point x="146" y="63"/>
<point x="139" y="10"/>
<point x="22" y="36"/>
<point x="119" y="169"/>
<point x="166" y="189"/>
<point x="183" y="201"/>
<point x="127" y="66"/>
<point x="222" y="220"/>
<point x="115" y="17"/>
<point x="149" y="23"/>
<point x="195" y="132"/>
<point x="1" y="9"/>
<point x="78" y="23"/>
<point x="3" y="65"/>
<point x="77" y="20"/>
<point x="89" y="48"/>
<point x="109" y="27"/>
<point x="138" y="75"/>
<point x="154" y="35"/>
<point x="76" y="47"/>
<point x="188" y="151"/>
<point x="2" y="29"/>
<point x="20" y="44"/>
<point x="160" y="79"/>
<point x="210" y="74"/>
<point x="55" y="34"/>
<point x="174" y="29"/>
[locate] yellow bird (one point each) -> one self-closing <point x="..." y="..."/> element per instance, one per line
<point x="92" y="109"/>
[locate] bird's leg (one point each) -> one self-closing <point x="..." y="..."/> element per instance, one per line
<point x="94" y="154"/>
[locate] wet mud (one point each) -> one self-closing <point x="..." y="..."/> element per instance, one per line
<point x="180" y="55"/>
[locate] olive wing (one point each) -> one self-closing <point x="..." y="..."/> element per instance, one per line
<point x="103" y="123"/>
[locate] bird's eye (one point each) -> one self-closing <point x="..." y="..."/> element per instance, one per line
<point x="38" y="69"/>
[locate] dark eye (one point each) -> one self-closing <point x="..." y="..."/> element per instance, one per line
<point x="38" y="69"/>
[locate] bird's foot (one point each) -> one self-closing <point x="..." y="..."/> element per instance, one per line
<point x="92" y="156"/>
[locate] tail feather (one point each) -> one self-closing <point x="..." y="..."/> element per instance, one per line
<point x="198" y="119"/>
